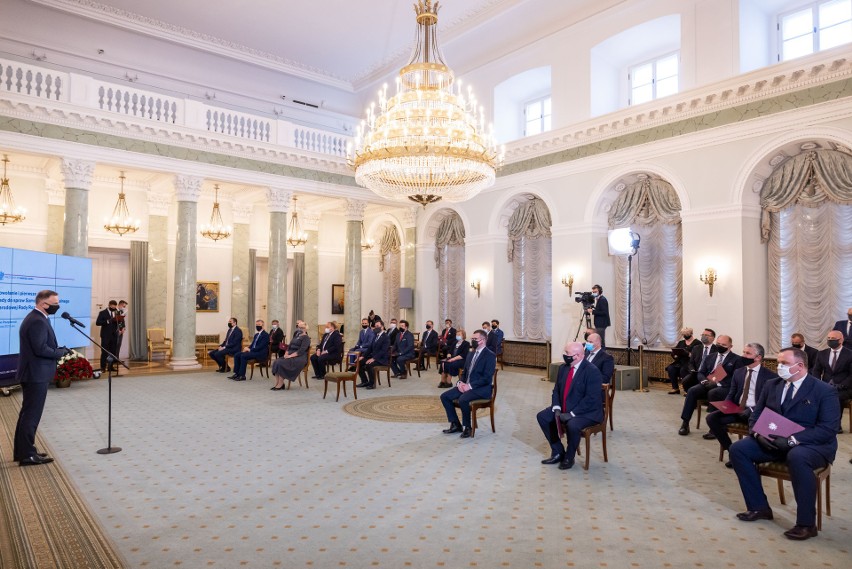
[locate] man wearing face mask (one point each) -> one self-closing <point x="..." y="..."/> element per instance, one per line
<point x="746" y="386"/>
<point x="577" y="401"/>
<point x="709" y="388"/>
<point x="428" y="344"/>
<point x="845" y="328"/>
<point x="597" y="355"/>
<point x="797" y="340"/>
<point x="600" y="313"/>
<point x="834" y="366"/>
<point x="495" y="338"/>
<point x="679" y="368"/>
<point x="109" y="332"/>
<point x="478" y="378"/>
<point x="121" y="318"/>
<point x="378" y="355"/>
<point x="328" y="351"/>
<point x="257" y="350"/>
<point x="447" y="339"/>
<point x="365" y="340"/>
<point x="231" y="346"/>
<point x="276" y="338"/>
<point x="811" y="404"/>
<point x="700" y="352"/>
<point x="404" y="350"/>
<point x="36" y="368"/>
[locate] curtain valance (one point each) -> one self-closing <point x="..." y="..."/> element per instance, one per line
<point x="390" y="243"/>
<point x="450" y="232"/>
<point x="647" y="202"/>
<point x="531" y="220"/>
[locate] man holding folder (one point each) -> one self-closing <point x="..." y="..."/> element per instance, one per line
<point x="714" y="377"/>
<point x="813" y="405"/>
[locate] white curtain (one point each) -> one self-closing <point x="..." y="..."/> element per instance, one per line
<point x="529" y="252"/>
<point x="449" y="260"/>
<point x="651" y="208"/>
<point x="390" y="264"/>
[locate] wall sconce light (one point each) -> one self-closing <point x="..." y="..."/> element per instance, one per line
<point x="709" y="277"/>
<point x="568" y="280"/>
<point x="476" y="285"/>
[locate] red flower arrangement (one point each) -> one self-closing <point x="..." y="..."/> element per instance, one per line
<point x="72" y="367"/>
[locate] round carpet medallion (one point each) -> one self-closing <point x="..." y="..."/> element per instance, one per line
<point x="399" y="409"/>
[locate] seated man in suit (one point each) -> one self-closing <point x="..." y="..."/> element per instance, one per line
<point x="700" y="352"/>
<point x="328" y="351"/>
<point x="797" y="340"/>
<point x="834" y="366"/>
<point x="577" y="401"/>
<point x="232" y="345"/>
<point x="709" y="388"/>
<point x="447" y="339"/>
<point x="378" y="354"/>
<point x="680" y="368"/>
<point x="276" y="339"/>
<point x="403" y="349"/>
<point x="257" y="350"/>
<point x="365" y="340"/>
<point x="597" y="355"/>
<point x="845" y="328"/>
<point x="811" y="404"/>
<point x="477" y="384"/>
<point x="746" y="386"/>
<point x="495" y="338"/>
<point x="428" y="344"/>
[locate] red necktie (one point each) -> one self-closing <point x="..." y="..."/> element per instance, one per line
<point x="568" y="381"/>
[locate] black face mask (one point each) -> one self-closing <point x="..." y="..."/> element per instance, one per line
<point x="365" y="326"/>
<point x="850" y="317"/>
<point x="474" y="343"/>
<point x="747" y="361"/>
<point x="833" y="344"/>
<point x="568" y="359"/>
<point x="258" y="328"/>
<point x="798" y="346"/>
<point x="52" y="308"/>
<point x="428" y="327"/>
<point x="494" y="326"/>
<point x="687" y="336"/>
<point x="230" y="325"/>
<point x="721" y="349"/>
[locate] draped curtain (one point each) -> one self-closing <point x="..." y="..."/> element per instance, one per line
<point x="390" y="264"/>
<point x="652" y="209"/>
<point x="449" y="260"/>
<point x="252" y="286"/>
<point x="529" y="251"/>
<point x="806" y="220"/>
<point x="137" y="327"/>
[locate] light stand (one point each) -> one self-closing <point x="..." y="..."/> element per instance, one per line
<point x="634" y="250"/>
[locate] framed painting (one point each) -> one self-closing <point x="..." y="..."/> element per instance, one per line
<point x="207" y="296"/>
<point x="337" y="299"/>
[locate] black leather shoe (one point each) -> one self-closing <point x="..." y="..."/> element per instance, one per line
<point x="555" y="459"/>
<point x="566" y="464"/>
<point x="403" y="376"/>
<point x="754" y="515"/>
<point x="674" y="392"/>
<point x="729" y="464"/>
<point x="220" y="370"/>
<point x="708" y="436"/>
<point x="801" y="533"/>
<point x="35" y="459"/>
<point x="684" y="429"/>
<point x="465" y="433"/>
<point x="371" y="386"/>
<point x="454" y="428"/>
<point x="239" y="378"/>
<point x="363" y="384"/>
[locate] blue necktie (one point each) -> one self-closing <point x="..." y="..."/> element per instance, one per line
<point x="788" y="397"/>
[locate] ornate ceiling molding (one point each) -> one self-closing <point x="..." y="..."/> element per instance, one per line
<point x="355" y="210"/>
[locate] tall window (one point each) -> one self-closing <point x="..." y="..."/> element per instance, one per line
<point x="654" y="79"/>
<point x="537" y="116"/>
<point x="819" y="26"/>
<point x="449" y="260"/>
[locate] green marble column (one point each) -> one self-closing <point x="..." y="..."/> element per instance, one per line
<point x="156" y="310"/>
<point x="278" y="201"/>
<point x="310" y="308"/>
<point x="77" y="176"/>
<point x="352" y="279"/>
<point x="187" y="192"/>
<point x="55" y="216"/>
<point x="409" y="224"/>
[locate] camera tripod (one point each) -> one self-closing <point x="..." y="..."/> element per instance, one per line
<point x="584" y="318"/>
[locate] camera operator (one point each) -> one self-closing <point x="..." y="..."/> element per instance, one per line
<point x="600" y="313"/>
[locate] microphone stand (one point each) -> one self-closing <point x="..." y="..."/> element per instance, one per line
<point x="110" y="359"/>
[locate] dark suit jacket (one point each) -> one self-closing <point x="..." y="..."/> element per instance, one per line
<point x="841" y="377"/>
<point x="494" y="341"/>
<point x="275" y="339"/>
<point x="333" y="344"/>
<point x="233" y="340"/>
<point x="842" y="326"/>
<point x="585" y="396"/>
<point x="393" y="335"/>
<point x="685" y="361"/>
<point x="601" y="312"/>
<point x="460" y="349"/>
<point x="731" y="362"/>
<point x="697" y="354"/>
<point x="39" y="352"/>
<point x="812" y="354"/>
<point x="450" y="342"/>
<point x="108" y="324"/>
<point x="429" y="341"/>
<point x="379" y="350"/>
<point x="482" y="374"/>
<point x="735" y="393"/>
<point x="605" y="364"/>
<point x="365" y="339"/>
<point x="815" y="407"/>
<point x="405" y="345"/>
<point x="260" y="342"/>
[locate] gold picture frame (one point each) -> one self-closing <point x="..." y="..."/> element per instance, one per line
<point x="207" y="296"/>
<point x="337" y="299"/>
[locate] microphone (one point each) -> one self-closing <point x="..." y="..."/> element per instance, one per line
<point x="72" y="320"/>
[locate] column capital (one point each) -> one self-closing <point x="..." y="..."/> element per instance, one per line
<point x="158" y="204"/>
<point x="55" y="192"/>
<point x="278" y="199"/>
<point x="355" y="209"/>
<point x="409" y="217"/>
<point x="310" y="219"/>
<point x="188" y="188"/>
<point x="241" y="212"/>
<point x="77" y="173"/>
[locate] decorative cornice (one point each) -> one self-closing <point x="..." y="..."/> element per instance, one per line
<point x="159" y="203"/>
<point x="355" y="210"/>
<point x="77" y="174"/>
<point x="55" y="192"/>
<point x="188" y="188"/>
<point x="738" y="211"/>
<point x="310" y="219"/>
<point x="278" y="199"/>
<point x="241" y="211"/>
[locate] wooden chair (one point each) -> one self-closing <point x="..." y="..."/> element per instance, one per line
<point x="781" y="472"/>
<point x="610" y="399"/>
<point x="262" y="364"/>
<point x="600" y="427"/>
<point x="341" y="377"/>
<point x="377" y="370"/>
<point x="849" y="407"/>
<point x="157" y="342"/>
<point x="339" y="363"/>
<point x="699" y="405"/>
<point x="500" y="359"/>
<point x="478" y="404"/>
<point x="739" y="429"/>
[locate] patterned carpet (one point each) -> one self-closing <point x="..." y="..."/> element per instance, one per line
<point x="399" y="409"/>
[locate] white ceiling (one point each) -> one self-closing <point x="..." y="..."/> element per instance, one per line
<point x="343" y="43"/>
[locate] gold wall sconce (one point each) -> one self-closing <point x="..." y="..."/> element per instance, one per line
<point x="568" y="280"/>
<point x="476" y="285"/>
<point x="709" y="277"/>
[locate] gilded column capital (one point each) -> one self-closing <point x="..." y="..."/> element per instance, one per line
<point x="278" y="199"/>
<point x="77" y="174"/>
<point x="355" y="209"/>
<point x="188" y="188"/>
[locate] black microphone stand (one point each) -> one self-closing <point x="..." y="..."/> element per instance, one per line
<point x="110" y="359"/>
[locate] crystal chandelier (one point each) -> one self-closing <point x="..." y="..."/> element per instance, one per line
<point x="216" y="229"/>
<point x="295" y="234"/>
<point x="8" y="212"/>
<point x="427" y="142"/>
<point x="366" y="244"/>
<point x="121" y="222"/>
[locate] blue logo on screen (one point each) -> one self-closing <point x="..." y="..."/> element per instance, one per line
<point x="2" y="274"/>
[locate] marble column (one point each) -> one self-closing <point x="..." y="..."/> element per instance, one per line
<point x="240" y="292"/>
<point x="310" y="298"/>
<point x="409" y="225"/>
<point x="187" y="192"/>
<point x="55" y="216"/>
<point x="78" y="181"/>
<point x="158" y="259"/>
<point x="352" y="279"/>
<point x="278" y="201"/>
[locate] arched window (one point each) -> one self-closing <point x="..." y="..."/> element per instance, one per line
<point x="529" y="251"/>
<point x="522" y="105"/>
<point x="651" y="208"/>
<point x="449" y="260"/>
<point x="390" y="263"/>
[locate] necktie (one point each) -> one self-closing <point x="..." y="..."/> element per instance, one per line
<point x="591" y="355"/>
<point x="788" y="397"/>
<point x="704" y="355"/>
<point x="833" y="359"/>
<point x="744" y="398"/>
<point x="253" y="342"/>
<point x="568" y="381"/>
<point x="473" y="361"/>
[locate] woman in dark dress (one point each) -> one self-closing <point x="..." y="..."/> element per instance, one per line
<point x="451" y="365"/>
<point x="291" y="364"/>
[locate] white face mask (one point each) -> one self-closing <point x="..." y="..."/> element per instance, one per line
<point x="275" y="326"/>
<point x="392" y="326"/>
<point x="327" y="330"/>
<point x="784" y="371"/>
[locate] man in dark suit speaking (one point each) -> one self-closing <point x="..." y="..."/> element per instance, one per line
<point x="36" y="368"/>
<point x="476" y="384"/>
<point x="811" y="404"/>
